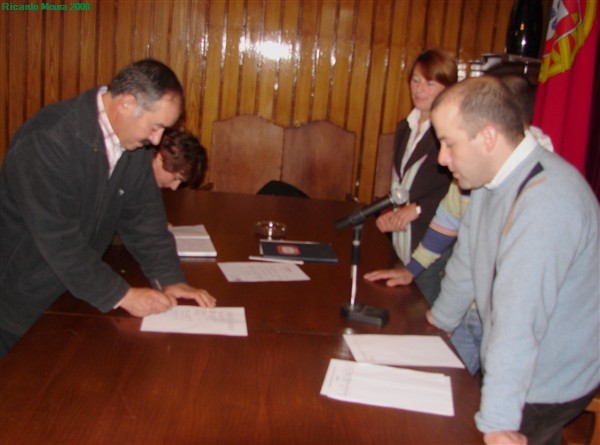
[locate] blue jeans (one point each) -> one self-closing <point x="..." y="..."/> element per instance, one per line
<point x="467" y="340"/>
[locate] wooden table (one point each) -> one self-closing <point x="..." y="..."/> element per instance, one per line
<point x="81" y="377"/>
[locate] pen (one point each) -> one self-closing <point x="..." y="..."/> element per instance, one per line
<point x="160" y="289"/>
<point x="272" y="260"/>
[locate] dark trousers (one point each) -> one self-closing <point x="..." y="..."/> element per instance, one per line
<point x="7" y="341"/>
<point x="543" y="423"/>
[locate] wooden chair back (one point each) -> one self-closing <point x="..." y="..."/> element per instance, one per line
<point x="318" y="158"/>
<point x="246" y="154"/>
<point x="383" y="167"/>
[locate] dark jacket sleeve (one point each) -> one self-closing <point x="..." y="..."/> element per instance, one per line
<point x="143" y="224"/>
<point x="431" y="182"/>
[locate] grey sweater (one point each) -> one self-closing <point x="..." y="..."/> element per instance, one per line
<point x="532" y="265"/>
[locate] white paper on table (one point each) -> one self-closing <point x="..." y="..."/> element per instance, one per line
<point x="388" y="387"/>
<point x="255" y="272"/>
<point x="402" y="350"/>
<point x="193" y="241"/>
<point x="197" y="231"/>
<point x="199" y="320"/>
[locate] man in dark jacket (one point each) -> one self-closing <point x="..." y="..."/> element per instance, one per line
<point x="73" y="177"/>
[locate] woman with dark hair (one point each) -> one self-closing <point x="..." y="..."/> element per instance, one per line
<point x="179" y="159"/>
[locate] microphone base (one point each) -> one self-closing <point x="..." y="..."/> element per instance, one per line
<point x="365" y="314"/>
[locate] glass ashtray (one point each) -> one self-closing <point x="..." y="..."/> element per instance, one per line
<point x="269" y="229"/>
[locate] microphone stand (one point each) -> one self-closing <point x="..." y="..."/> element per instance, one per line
<point x="355" y="311"/>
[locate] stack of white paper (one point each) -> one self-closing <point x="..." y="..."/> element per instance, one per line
<point x="388" y="387"/>
<point x="402" y="350"/>
<point x="193" y="241"/>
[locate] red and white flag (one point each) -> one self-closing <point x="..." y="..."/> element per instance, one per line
<point x="564" y="93"/>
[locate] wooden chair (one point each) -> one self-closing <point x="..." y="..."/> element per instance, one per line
<point x="246" y="154"/>
<point x="585" y="429"/>
<point x="594" y="407"/>
<point x="383" y="167"/>
<point x="318" y="158"/>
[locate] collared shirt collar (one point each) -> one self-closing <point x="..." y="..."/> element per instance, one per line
<point x="524" y="149"/>
<point x="413" y="121"/>
<point x="114" y="149"/>
<point x="416" y="134"/>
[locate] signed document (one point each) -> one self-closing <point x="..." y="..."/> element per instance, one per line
<point x="198" y="320"/>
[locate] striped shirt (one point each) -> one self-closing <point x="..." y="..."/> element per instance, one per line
<point x="114" y="149"/>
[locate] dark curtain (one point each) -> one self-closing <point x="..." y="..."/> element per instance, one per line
<point x="592" y="163"/>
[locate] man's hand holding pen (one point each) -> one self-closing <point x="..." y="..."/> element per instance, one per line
<point x="145" y="301"/>
<point x="183" y="290"/>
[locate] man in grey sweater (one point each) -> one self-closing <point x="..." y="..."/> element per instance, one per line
<point x="72" y="177"/>
<point x="528" y="253"/>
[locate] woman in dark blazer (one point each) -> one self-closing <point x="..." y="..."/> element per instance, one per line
<point x="415" y="155"/>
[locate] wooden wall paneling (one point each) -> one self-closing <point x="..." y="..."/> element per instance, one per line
<point x="106" y="41"/>
<point x="269" y="58"/>
<point x="434" y="24"/>
<point x="287" y="74"/>
<point x="124" y="34"/>
<point x="305" y="72"/>
<point x="500" y="24"/>
<point x="5" y="133"/>
<point x="360" y="64"/>
<point x="250" y="58"/>
<point x="142" y="31"/>
<point x="470" y="32"/>
<point x="161" y="29"/>
<point x="323" y="61"/>
<point x="231" y="65"/>
<point x="70" y="60"/>
<point x="343" y="56"/>
<point x="358" y="87"/>
<point x="212" y="82"/>
<point x="452" y="26"/>
<point x="414" y="45"/>
<point x="87" y="50"/>
<point x="17" y="71"/>
<point x="375" y="95"/>
<point x="194" y="94"/>
<point x="177" y="39"/>
<point x="52" y="57"/>
<point x="486" y="34"/>
<point x="33" y="99"/>
<point x="397" y="73"/>
<point x="333" y="68"/>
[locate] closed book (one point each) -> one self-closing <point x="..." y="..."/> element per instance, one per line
<point x="193" y="241"/>
<point x="298" y="250"/>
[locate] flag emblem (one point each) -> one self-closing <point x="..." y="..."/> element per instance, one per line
<point x="570" y="24"/>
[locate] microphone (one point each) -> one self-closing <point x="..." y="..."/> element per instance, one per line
<point x="398" y="196"/>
